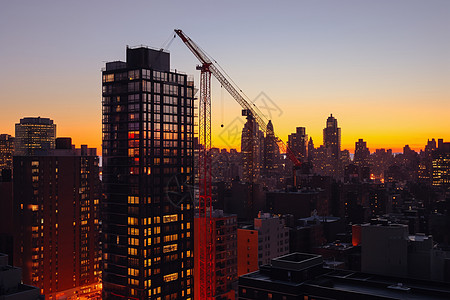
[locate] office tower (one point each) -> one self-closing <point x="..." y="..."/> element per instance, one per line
<point x="271" y="151"/>
<point x="34" y="134"/>
<point x="11" y="286"/>
<point x="251" y="148"/>
<point x="56" y="220"/>
<point x="224" y="255"/>
<point x="332" y="137"/>
<point x="362" y="154"/>
<point x="441" y="165"/>
<point x="6" y="151"/>
<point x="147" y="226"/>
<point x="258" y="244"/>
<point x="298" y="142"/>
<point x="332" y="145"/>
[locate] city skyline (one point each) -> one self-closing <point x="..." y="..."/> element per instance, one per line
<point x="385" y="82"/>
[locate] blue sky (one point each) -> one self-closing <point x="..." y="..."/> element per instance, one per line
<point x="381" y="67"/>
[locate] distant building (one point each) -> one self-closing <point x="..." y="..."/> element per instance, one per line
<point x="362" y="154"/>
<point x="6" y="151"/>
<point x="332" y="137"/>
<point x="302" y="276"/>
<point x="34" y="135"/>
<point x="297" y="142"/>
<point x="258" y="244"/>
<point x="441" y="165"/>
<point x="271" y="152"/>
<point x="56" y="220"/>
<point x="252" y="140"/>
<point x="224" y="254"/>
<point x="11" y="286"/>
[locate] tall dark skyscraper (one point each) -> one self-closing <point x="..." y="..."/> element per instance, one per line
<point x="362" y="154"/>
<point x="252" y="149"/>
<point x="34" y="134"/>
<point x="332" y="137"/>
<point x="297" y="142"/>
<point x="56" y="220"/>
<point x="271" y="151"/>
<point x="148" y="175"/>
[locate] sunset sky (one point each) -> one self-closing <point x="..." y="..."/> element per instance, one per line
<point x="382" y="68"/>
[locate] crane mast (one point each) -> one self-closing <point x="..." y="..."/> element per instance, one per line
<point x="205" y="234"/>
<point x="235" y="93"/>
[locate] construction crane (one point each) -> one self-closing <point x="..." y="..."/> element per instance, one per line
<point x="206" y="242"/>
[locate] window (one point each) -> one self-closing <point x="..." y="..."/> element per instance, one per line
<point x="170" y="218"/>
<point x="170" y="277"/>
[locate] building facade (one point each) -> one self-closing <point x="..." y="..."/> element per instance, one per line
<point x="225" y="255"/>
<point x="34" y="134"/>
<point x="258" y="244"/>
<point x="56" y="220"/>
<point x="147" y="223"/>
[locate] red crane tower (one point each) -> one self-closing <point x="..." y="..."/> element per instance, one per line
<point x="206" y="242"/>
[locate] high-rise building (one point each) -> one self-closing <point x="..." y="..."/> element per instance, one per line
<point x="441" y="165"/>
<point x="34" y="134"/>
<point x="362" y="154"/>
<point x="332" y="145"/>
<point x="6" y="151"/>
<point x="147" y="224"/>
<point x="298" y="142"/>
<point x="251" y="148"/>
<point x="258" y="244"/>
<point x="56" y="220"/>
<point x="332" y="137"/>
<point x="271" y="151"/>
<point x="224" y="254"/>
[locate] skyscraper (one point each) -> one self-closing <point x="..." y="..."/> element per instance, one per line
<point x="251" y="148"/>
<point x="34" y="134"/>
<point x="56" y="220"/>
<point x="297" y="142"/>
<point x="362" y="154"/>
<point x="147" y="173"/>
<point x="332" y="145"/>
<point x="332" y="137"/>
<point x="271" y="151"/>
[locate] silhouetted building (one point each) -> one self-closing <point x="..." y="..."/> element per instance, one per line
<point x="297" y="142"/>
<point x="56" y="220"/>
<point x="252" y="150"/>
<point x="148" y="217"/>
<point x="224" y="230"/>
<point x="362" y="154"/>
<point x="34" y="135"/>
<point x="332" y="137"/>
<point x="271" y="152"/>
